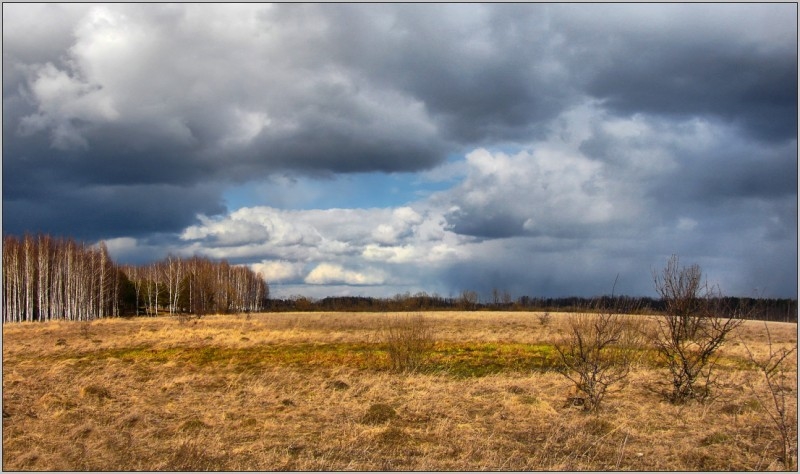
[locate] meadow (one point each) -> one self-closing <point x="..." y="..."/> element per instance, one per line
<point x="316" y="391"/>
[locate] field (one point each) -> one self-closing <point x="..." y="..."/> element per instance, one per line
<point x="314" y="391"/>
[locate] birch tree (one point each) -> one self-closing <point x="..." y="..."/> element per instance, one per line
<point x="47" y="278"/>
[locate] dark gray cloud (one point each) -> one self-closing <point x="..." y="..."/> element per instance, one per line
<point x="485" y="73"/>
<point x="581" y="124"/>
<point x="721" y="61"/>
<point x="109" y="211"/>
<point x="756" y="91"/>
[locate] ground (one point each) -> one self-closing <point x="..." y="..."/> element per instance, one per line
<point x="314" y="391"/>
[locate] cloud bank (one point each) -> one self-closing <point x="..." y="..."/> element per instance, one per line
<point x="558" y="145"/>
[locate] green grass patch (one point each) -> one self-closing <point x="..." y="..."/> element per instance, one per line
<point x="458" y="359"/>
<point x="363" y="356"/>
<point x="476" y="359"/>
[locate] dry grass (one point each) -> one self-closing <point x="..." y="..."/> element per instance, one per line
<point x="315" y="391"/>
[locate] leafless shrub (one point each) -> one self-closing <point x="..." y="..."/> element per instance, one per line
<point x="692" y="329"/>
<point x="545" y="319"/>
<point x="597" y="352"/>
<point x="408" y="341"/>
<point x="779" y="383"/>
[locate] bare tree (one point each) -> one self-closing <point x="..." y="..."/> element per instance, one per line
<point x="103" y="273"/>
<point x="152" y="289"/>
<point x="57" y="298"/>
<point x="469" y="300"/>
<point x="11" y="279"/>
<point x="43" y="270"/>
<point x="172" y="269"/>
<point x="134" y="274"/>
<point x="30" y="276"/>
<point x="506" y="299"/>
<point x="694" y="326"/>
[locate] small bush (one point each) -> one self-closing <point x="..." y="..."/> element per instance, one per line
<point x="378" y="414"/>
<point x="408" y="341"/>
<point x="544" y="319"/>
<point x="597" y="353"/>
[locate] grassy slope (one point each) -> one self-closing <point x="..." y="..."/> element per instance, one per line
<point x="293" y="391"/>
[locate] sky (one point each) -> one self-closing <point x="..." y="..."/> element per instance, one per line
<point x="376" y="149"/>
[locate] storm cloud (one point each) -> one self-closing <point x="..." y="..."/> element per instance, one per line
<point x="547" y="147"/>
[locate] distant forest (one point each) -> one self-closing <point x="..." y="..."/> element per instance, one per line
<point x="47" y="278"/>
<point x="770" y="309"/>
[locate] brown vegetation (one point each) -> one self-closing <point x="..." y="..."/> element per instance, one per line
<point x="315" y="391"/>
<point x="408" y="341"/>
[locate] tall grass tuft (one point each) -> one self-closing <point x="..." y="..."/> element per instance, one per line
<point x="408" y="342"/>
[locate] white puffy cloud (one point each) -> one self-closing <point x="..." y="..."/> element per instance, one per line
<point x="278" y="271"/>
<point x="401" y="225"/>
<point x="253" y="225"/>
<point x="361" y="247"/>
<point x="328" y="273"/>
<point x="551" y="187"/>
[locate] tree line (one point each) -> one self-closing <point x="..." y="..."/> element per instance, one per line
<point x="769" y="309"/>
<point x="47" y="278"/>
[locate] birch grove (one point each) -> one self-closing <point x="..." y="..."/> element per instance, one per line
<point x="47" y="278"/>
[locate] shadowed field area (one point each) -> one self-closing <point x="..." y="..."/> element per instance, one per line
<point x="315" y="391"/>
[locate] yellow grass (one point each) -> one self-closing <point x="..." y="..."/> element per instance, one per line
<point x="312" y="391"/>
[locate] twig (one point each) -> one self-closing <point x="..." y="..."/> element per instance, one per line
<point x="622" y="451"/>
